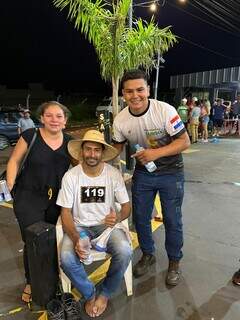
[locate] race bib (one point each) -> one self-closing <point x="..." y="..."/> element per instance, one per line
<point x="92" y="194"/>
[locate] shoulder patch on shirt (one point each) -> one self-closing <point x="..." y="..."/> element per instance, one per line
<point x="176" y="122"/>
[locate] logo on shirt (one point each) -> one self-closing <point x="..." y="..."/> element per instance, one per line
<point x="93" y="194"/>
<point x="176" y="122"/>
<point x="156" y="138"/>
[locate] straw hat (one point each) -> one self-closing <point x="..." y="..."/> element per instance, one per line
<point x="75" y="146"/>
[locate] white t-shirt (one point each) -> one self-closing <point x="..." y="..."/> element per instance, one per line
<point x="91" y="198"/>
<point x="158" y="126"/>
<point x="25" y="123"/>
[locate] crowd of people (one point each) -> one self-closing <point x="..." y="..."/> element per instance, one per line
<point x="85" y="195"/>
<point x="201" y="118"/>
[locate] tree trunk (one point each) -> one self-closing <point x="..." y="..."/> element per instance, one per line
<point x="115" y="86"/>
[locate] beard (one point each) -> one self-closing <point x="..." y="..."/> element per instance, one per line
<point x="92" y="162"/>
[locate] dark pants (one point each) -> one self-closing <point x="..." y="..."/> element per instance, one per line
<point x="30" y="207"/>
<point x="171" y="190"/>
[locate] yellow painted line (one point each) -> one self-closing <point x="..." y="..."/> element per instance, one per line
<point x="19" y="309"/>
<point x="6" y="205"/>
<point x="43" y="316"/>
<point x="16" y="310"/>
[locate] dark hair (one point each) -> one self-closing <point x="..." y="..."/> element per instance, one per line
<point x="44" y="106"/>
<point x="133" y="75"/>
<point x="103" y="146"/>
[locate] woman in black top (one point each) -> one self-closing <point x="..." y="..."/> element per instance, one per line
<point x="40" y="180"/>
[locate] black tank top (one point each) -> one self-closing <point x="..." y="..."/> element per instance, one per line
<point x="44" y="167"/>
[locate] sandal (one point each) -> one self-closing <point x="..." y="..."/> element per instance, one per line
<point x="28" y="295"/>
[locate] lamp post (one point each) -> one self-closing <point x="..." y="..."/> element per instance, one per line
<point x="159" y="59"/>
<point x="130" y="15"/>
<point x="153" y="8"/>
<point x="27" y="100"/>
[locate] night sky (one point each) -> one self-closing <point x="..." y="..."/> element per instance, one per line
<point x="38" y="44"/>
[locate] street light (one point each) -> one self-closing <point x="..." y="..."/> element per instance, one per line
<point x="153" y="7"/>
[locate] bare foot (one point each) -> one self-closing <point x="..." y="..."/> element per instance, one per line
<point x="90" y="308"/>
<point x="101" y="304"/>
<point x="27" y="294"/>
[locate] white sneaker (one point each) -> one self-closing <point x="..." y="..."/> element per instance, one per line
<point x="206" y="140"/>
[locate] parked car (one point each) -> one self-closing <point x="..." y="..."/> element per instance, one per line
<point x="8" y="127"/>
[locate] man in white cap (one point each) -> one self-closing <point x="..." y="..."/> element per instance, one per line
<point x="87" y="198"/>
<point x="25" y="122"/>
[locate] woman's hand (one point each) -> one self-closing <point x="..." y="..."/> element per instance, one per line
<point x="10" y="186"/>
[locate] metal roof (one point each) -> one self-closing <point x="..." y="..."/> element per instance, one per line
<point x="205" y="78"/>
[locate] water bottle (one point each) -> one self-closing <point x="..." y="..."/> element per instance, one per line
<point x="150" y="166"/>
<point x="86" y="246"/>
<point x="4" y="191"/>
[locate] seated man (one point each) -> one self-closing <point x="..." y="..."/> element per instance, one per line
<point x="87" y="198"/>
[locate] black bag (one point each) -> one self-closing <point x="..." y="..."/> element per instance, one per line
<point x="42" y="261"/>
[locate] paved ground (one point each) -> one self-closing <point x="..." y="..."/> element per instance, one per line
<point x="211" y="250"/>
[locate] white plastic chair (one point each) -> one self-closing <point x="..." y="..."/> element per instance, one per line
<point x="97" y="256"/>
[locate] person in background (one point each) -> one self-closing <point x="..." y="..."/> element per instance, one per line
<point x="87" y="198"/>
<point x="194" y="121"/>
<point x="236" y="112"/>
<point x="190" y="104"/>
<point x="236" y="107"/>
<point x="25" y="122"/>
<point x="205" y="112"/>
<point x="37" y="186"/>
<point x="183" y="111"/>
<point x="218" y="116"/>
<point x="157" y="127"/>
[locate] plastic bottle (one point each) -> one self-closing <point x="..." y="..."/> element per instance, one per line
<point x="85" y="245"/>
<point x="6" y="195"/>
<point x="150" y="166"/>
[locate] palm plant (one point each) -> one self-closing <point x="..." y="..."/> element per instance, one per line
<point x="119" y="48"/>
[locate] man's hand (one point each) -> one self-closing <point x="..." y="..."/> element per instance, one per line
<point x="146" y="155"/>
<point x="111" y="219"/>
<point x="83" y="254"/>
